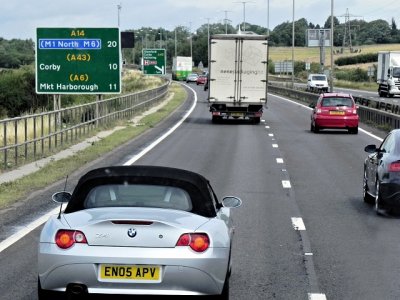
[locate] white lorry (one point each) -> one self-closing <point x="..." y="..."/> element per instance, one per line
<point x="388" y="75"/>
<point x="181" y="67"/>
<point x="237" y="85"/>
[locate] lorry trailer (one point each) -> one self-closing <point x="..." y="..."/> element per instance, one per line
<point x="237" y="87"/>
<point x="388" y="74"/>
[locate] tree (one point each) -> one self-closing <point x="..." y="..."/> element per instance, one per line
<point x="375" y="32"/>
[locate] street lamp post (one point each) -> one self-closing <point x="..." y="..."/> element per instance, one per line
<point x="175" y="43"/>
<point x="268" y="18"/>
<point x="293" y="47"/>
<point x="244" y="13"/>
<point x="226" y="20"/>
<point x="191" y="45"/>
<point x="208" y="42"/>
<point x="331" y="73"/>
<point x="119" y="6"/>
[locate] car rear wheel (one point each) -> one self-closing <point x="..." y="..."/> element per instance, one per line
<point x="225" y="291"/>
<point x="366" y="196"/>
<point x="378" y="201"/>
<point x="48" y="295"/>
<point x="353" y="130"/>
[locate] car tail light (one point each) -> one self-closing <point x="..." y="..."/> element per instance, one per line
<point x="67" y="238"/>
<point x="394" y="166"/>
<point x="199" y="242"/>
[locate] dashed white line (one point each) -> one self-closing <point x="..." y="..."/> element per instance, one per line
<point x="270" y="134"/>
<point x="274" y="145"/>
<point x="298" y="224"/>
<point x="279" y="161"/>
<point x="316" y="296"/>
<point x="286" y="184"/>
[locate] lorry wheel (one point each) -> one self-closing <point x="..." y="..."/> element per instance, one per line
<point x="256" y="120"/>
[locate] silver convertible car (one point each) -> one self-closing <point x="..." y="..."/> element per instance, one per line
<point x="138" y="230"/>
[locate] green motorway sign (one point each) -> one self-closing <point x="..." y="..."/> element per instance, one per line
<point x="154" y="61"/>
<point x="78" y="61"/>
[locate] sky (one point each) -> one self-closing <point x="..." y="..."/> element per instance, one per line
<point x="20" y="18"/>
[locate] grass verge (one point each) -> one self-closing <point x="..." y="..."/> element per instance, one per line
<point x="11" y="192"/>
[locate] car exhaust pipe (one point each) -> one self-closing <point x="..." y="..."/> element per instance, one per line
<point x="76" y="289"/>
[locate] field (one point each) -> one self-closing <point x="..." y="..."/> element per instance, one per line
<point x="312" y="54"/>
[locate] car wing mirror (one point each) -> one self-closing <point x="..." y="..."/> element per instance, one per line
<point x="231" y="201"/>
<point x="61" y="197"/>
<point x="370" y="149"/>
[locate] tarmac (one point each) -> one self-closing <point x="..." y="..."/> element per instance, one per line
<point x="30" y="168"/>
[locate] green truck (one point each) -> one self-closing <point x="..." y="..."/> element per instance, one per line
<point x="181" y="67"/>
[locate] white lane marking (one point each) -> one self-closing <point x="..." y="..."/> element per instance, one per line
<point x="161" y="138"/>
<point x="312" y="296"/>
<point x="279" y="161"/>
<point x="309" y="108"/>
<point x="286" y="184"/>
<point x="308" y="254"/>
<point x="267" y="127"/>
<point x="298" y="224"/>
<point x="274" y="145"/>
<point x="270" y="134"/>
<point x="38" y="222"/>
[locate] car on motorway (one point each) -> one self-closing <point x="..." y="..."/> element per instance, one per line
<point x="335" y="111"/>
<point x="192" y="77"/>
<point x="202" y="79"/>
<point x="381" y="182"/>
<point x="317" y="83"/>
<point x="138" y="230"/>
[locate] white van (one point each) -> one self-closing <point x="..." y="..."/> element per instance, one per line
<point x="317" y="82"/>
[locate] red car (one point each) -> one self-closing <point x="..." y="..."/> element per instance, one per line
<point x="335" y="111"/>
<point x="202" y="79"/>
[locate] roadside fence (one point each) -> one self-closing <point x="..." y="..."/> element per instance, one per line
<point x="28" y="138"/>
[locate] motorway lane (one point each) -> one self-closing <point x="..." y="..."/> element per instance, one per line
<point x="355" y="251"/>
<point x="324" y="170"/>
<point x="239" y="159"/>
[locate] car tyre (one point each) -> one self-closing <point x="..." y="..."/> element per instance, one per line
<point x="316" y="129"/>
<point x="366" y="196"/>
<point x="378" y="201"/>
<point x="48" y="295"/>
<point x="225" y="291"/>
<point x="353" y="130"/>
<point x="215" y="119"/>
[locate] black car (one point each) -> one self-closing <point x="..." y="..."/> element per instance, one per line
<point x="381" y="184"/>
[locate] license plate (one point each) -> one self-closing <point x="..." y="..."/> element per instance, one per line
<point x="130" y="273"/>
<point x="336" y="112"/>
<point x="236" y="114"/>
